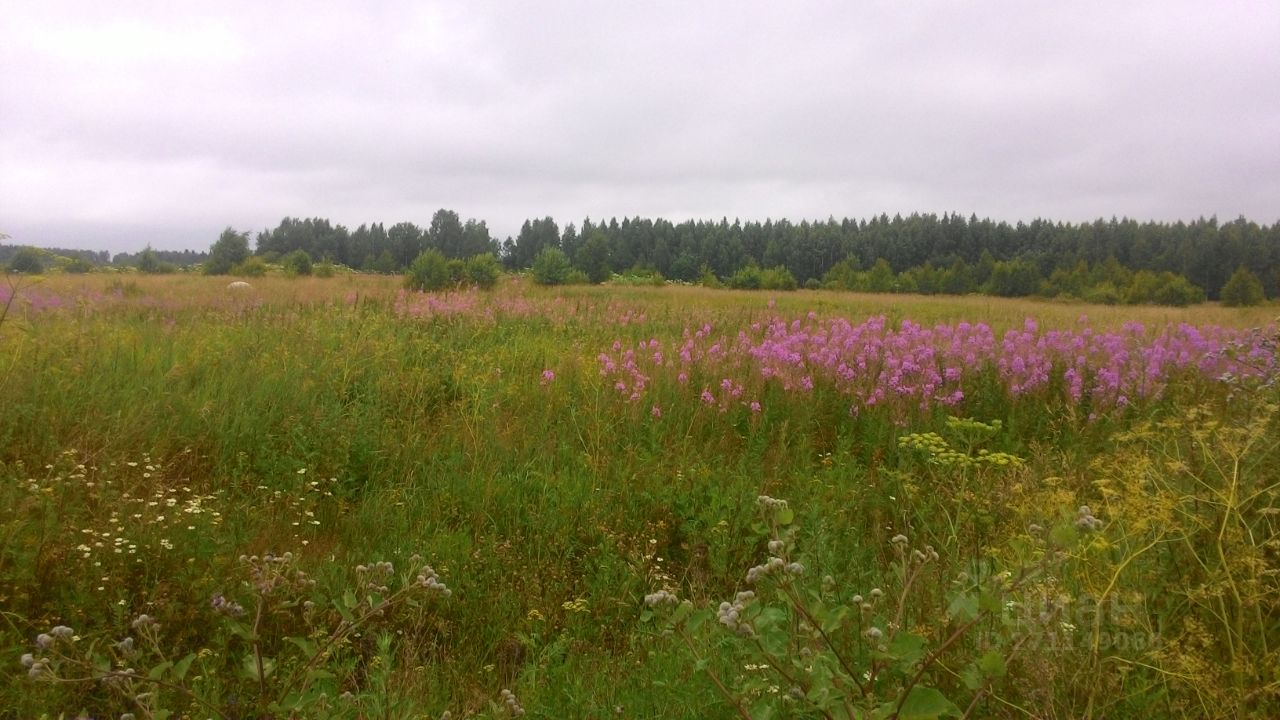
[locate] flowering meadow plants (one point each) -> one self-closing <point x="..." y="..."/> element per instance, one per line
<point x="912" y="369"/>
<point x="1090" y="503"/>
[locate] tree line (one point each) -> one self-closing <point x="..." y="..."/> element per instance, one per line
<point x="1116" y="260"/>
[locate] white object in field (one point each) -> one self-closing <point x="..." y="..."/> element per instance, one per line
<point x="239" y="285"/>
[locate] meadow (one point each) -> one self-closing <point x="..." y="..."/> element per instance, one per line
<point x="337" y="498"/>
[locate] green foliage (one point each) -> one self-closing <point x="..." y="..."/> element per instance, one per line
<point x="429" y="272"/>
<point x="752" y="277"/>
<point x="1242" y="290"/>
<point x="816" y="647"/>
<point x="77" y="266"/>
<point x="844" y="275"/>
<point x="230" y="250"/>
<point x="28" y="261"/>
<point x="148" y="262"/>
<point x="1162" y="289"/>
<point x="970" y="434"/>
<point x="552" y="267"/>
<point x="479" y="432"/>
<point x="593" y="258"/>
<point x="483" y="270"/>
<point x="275" y="672"/>
<point x="1014" y="278"/>
<point x="252" y="266"/>
<point x="297" y="262"/>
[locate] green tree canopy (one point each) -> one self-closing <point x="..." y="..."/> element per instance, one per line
<point x="231" y="249"/>
<point x="1242" y="289"/>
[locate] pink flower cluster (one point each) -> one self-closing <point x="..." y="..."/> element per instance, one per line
<point x="914" y="368"/>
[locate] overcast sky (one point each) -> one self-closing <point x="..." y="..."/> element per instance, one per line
<point x="127" y="123"/>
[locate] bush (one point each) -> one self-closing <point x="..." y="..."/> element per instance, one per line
<point x="230" y="250"/>
<point x="552" y="267"/>
<point x="429" y="271"/>
<point x="482" y="270"/>
<point x="1243" y="289"/>
<point x="78" y="266"/>
<point x="297" y="262"/>
<point x="1015" y="278"/>
<point x="27" y="261"/>
<point x="252" y="267"/>
<point x="752" y="277"/>
<point x="1164" y="288"/>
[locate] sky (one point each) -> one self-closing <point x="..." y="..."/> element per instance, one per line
<point x="124" y="123"/>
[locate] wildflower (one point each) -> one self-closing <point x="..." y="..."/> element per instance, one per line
<point x="730" y="614"/>
<point x="28" y="660"/>
<point x="661" y="597"/>
<point x="656" y="411"/>
<point x="513" y="705"/>
<point x="145" y="622"/>
<point x="1086" y="521"/>
<point x="795" y="568"/>
<point x="223" y="606"/>
<point x="899" y="539"/>
<point x="776" y="547"/>
<point x="548" y="376"/>
<point x="873" y="633"/>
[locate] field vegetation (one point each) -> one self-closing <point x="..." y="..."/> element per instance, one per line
<point x="342" y="497"/>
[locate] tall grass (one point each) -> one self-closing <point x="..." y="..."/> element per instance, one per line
<point x="345" y="419"/>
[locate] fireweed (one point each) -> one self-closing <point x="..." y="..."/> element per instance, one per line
<point x="911" y="368"/>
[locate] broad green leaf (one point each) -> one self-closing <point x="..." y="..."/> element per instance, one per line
<point x="992" y="664"/>
<point x="182" y="666"/>
<point x="240" y="631"/>
<point x="926" y="704"/>
<point x="963" y="607"/>
<point x="307" y="647"/>
<point x="906" y="649"/>
<point x="158" y="671"/>
<point x="697" y="619"/>
<point x="785" y="516"/>
<point x="989" y="601"/>
<point x="251" y="667"/>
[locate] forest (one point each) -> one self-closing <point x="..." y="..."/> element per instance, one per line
<point x="1107" y="261"/>
<point x="922" y="253"/>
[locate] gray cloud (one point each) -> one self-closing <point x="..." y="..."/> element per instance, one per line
<point x="160" y="123"/>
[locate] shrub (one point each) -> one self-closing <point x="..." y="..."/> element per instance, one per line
<point x="482" y="270"/>
<point x="252" y="267"/>
<point x="552" y="267"/>
<point x="429" y="271"/>
<point x="297" y="262"/>
<point x="1243" y="289"/>
<point x="230" y="250"/>
<point x="27" y="261"/>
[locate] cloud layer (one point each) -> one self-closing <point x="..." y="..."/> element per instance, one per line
<point x="162" y="124"/>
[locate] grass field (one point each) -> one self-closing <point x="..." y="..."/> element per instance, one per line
<point x="1069" y="517"/>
